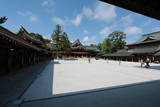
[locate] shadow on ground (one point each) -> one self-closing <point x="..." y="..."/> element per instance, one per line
<point x="154" y="67"/>
<point x="70" y="59"/>
<point x="43" y="85"/>
<point x="144" y="94"/>
<point x="13" y="86"/>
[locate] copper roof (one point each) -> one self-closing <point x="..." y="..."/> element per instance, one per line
<point x="14" y="37"/>
<point x="143" y="50"/>
<point x="23" y="31"/>
<point x="78" y="45"/>
<point x="147" y="38"/>
<point x="119" y="54"/>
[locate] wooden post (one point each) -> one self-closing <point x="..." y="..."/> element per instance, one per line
<point x="9" y="61"/>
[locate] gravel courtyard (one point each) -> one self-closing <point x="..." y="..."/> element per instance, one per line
<point x="65" y="76"/>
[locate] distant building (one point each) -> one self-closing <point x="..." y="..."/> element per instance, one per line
<point x="147" y="46"/>
<point x="79" y="51"/>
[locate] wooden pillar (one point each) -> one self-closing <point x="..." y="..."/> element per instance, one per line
<point x="22" y="60"/>
<point x="9" y="61"/>
<point x="34" y="58"/>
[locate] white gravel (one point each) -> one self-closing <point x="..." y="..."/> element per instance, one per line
<point x="77" y="75"/>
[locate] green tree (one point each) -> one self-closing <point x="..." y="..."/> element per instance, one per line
<point x="40" y="38"/>
<point x="105" y="46"/>
<point x="66" y="44"/>
<point x="61" y="43"/>
<point x="93" y="45"/>
<point x="117" y="40"/>
<point x="47" y="40"/>
<point x="3" y="19"/>
<point x="114" y="42"/>
<point x="56" y="35"/>
<point x="37" y="36"/>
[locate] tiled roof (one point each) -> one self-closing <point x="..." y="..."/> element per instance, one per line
<point x="147" y="49"/>
<point x="14" y="37"/>
<point x="92" y="48"/>
<point x="27" y="35"/>
<point x="157" y="54"/>
<point x="120" y="54"/>
<point x="148" y="38"/>
<point x="76" y="43"/>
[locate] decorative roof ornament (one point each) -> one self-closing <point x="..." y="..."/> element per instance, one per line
<point x="76" y="43"/>
<point x="23" y="33"/>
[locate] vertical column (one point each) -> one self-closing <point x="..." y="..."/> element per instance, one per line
<point x="9" y="61"/>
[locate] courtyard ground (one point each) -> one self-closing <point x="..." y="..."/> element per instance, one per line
<point x="13" y="86"/>
<point x="101" y="83"/>
<point x="63" y="77"/>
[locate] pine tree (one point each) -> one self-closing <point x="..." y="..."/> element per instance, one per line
<point x="61" y="43"/>
<point x="3" y="19"/>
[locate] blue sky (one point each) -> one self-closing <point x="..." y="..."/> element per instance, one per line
<point x="88" y="20"/>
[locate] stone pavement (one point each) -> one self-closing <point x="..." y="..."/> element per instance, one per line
<point x="139" y="95"/>
<point x="80" y="83"/>
<point x="13" y="86"/>
<point x="43" y="85"/>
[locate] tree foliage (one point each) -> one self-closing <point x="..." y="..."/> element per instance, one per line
<point x="47" y="40"/>
<point x="114" y="42"/>
<point x="3" y="19"/>
<point x="40" y="37"/>
<point x="61" y="43"/>
<point x="37" y="36"/>
<point x="93" y="45"/>
<point x="105" y="46"/>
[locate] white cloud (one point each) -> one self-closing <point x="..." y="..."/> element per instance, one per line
<point x="87" y="12"/>
<point x="44" y="3"/>
<point x="89" y="40"/>
<point x="24" y="14"/>
<point x="156" y="29"/>
<point x="48" y="5"/>
<point x="85" y="32"/>
<point x="105" y="31"/>
<point x="48" y="36"/>
<point x="86" y="38"/>
<point x="146" y="23"/>
<point x="77" y="20"/>
<point x="133" y="30"/>
<point x="58" y="20"/>
<point x="31" y="17"/>
<point x="127" y="20"/>
<point x="104" y="12"/>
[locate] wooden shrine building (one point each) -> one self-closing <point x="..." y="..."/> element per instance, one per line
<point x="147" y="46"/>
<point x="78" y="50"/>
<point x="18" y="50"/>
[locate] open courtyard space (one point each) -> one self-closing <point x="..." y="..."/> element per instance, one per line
<point x="79" y="53"/>
<point x="78" y="75"/>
